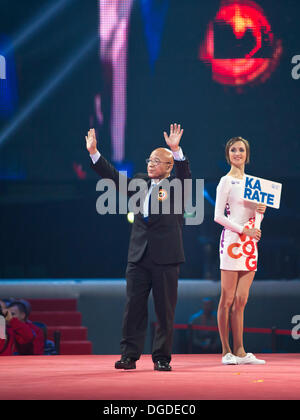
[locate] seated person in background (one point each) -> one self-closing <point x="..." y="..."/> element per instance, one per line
<point x="205" y="341"/>
<point x="20" y="309"/>
<point x="17" y="333"/>
<point x="4" y="302"/>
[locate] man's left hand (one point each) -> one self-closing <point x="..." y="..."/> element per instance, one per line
<point x="174" y="138"/>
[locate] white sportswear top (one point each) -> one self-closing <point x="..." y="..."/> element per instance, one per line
<point x="238" y="252"/>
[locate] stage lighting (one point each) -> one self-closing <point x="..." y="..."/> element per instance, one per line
<point x="47" y="89"/>
<point x="37" y="22"/>
<point x="240" y="46"/>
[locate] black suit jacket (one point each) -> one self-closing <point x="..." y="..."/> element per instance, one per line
<point x="161" y="232"/>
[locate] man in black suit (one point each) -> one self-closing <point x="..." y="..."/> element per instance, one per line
<point x="155" y="251"/>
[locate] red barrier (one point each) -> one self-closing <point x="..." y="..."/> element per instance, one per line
<point x="247" y="330"/>
<point x="274" y="332"/>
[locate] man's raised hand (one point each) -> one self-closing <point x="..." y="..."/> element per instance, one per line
<point x="91" y="141"/>
<point x="174" y="138"/>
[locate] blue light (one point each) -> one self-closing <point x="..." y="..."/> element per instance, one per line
<point x="8" y="46"/>
<point x="8" y="79"/>
<point x="154" y="15"/>
<point x="208" y="198"/>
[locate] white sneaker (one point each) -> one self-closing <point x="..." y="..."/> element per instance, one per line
<point x="249" y="359"/>
<point x="229" y="359"/>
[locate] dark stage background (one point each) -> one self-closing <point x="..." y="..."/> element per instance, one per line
<point x="129" y="69"/>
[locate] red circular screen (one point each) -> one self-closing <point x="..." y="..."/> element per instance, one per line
<point x="251" y="50"/>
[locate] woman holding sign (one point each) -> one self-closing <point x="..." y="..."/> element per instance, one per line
<point x="238" y="251"/>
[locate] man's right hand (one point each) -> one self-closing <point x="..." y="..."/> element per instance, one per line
<point x="91" y="142"/>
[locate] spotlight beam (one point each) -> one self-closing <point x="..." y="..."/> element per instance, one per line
<point x="47" y="89"/>
<point x="208" y="198"/>
<point x="41" y="19"/>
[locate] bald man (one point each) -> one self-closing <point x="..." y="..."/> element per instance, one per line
<point x="155" y="251"/>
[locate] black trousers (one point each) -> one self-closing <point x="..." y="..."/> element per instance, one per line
<point x="141" y="277"/>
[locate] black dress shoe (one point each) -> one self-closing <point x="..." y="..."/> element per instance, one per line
<point x="125" y="363"/>
<point x="162" y="365"/>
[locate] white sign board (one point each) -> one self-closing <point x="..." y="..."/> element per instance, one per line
<point x="262" y="191"/>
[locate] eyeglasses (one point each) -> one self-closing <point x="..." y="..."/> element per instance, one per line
<point x="155" y="162"/>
